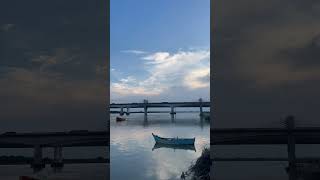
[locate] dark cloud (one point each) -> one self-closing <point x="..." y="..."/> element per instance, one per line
<point x="306" y="56"/>
<point x="265" y="61"/>
<point x="49" y="55"/>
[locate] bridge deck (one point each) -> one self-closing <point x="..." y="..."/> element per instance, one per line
<point x="53" y="139"/>
<point x="151" y="112"/>
<point x="160" y="105"/>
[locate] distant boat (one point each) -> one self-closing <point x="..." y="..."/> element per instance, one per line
<point x="120" y="118"/>
<point x="173" y="141"/>
<point x="174" y="146"/>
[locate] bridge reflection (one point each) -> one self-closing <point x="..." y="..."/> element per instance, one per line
<point x="55" y="140"/>
<point x="289" y="136"/>
<point x="150" y="121"/>
<point x="29" y="161"/>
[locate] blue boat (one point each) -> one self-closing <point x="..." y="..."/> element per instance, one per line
<point x="173" y="141"/>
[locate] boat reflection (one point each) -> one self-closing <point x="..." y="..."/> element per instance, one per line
<point x="174" y="147"/>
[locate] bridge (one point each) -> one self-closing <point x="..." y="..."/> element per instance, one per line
<point x="264" y="136"/>
<point x="55" y="140"/>
<point x="146" y="105"/>
<point x="289" y="136"/>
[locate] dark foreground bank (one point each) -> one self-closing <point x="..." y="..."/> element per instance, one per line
<point x="200" y="170"/>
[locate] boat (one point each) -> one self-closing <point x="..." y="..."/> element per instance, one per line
<point x="120" y="118"/>
<point x="174" y="146"/>
<point x="173" y="141"/>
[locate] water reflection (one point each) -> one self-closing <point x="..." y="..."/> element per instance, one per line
<point x="305" y="167"/>
<point x="174" y="147"/>
<point x="70" y="172"/>
<point x="11" y="170"/>
<point x="136" y="156"/>
<point x="165" y="121"/>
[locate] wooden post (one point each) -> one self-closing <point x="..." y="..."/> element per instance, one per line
<point x="291" y="147"/>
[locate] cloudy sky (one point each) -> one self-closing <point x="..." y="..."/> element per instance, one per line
<point x="266" y="62"/>
<point x="160" y="50"/>
<point x="53" y="65"/>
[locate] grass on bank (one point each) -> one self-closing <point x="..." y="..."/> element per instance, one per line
<point x="200" y="170"/>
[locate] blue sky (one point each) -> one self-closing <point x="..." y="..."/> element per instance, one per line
<point x="159" y="50"/>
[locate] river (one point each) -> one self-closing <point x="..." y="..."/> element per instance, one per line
<point x="131" y="146"/>
<point x="68" y="172"/>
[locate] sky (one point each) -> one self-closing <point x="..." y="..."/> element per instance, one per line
<point x="266" y="62"/>
<point x="53" y="65"/>
<point x="160" y="50"/>
<point x="53" y="59"/>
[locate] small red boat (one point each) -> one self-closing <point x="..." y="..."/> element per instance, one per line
<point x="120" y="118"/>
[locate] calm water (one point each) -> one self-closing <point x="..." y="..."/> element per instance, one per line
<point x="274" y="170"/>
<point x="69" y="171"/>
<point x="131" y="146"/>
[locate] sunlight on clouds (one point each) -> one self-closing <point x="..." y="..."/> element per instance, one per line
<point x="159" y="57"/>
<point x="199" y="78"/>
<point x="184" y="69"/>
<point x="123" y="88"/>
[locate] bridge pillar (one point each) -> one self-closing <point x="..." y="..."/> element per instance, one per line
<point x="172" y="110"/>
<point x="200" y="104"/>
<point x="145" y="109"/>
<point x="38" y="162"/>
<point x="291" y="148"/>
<point x="172" y="113"/>
<point x="57" y="157"/>
<point x="121" y="111"/>
<point x="128" y="111"/>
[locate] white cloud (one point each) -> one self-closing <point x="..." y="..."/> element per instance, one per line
<point x="157" y="57"/>
<point x="199" y="78"/>
<point x="184" y="69"/>
<point x="134" y="52"/>
<point x="124" y="89"/>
